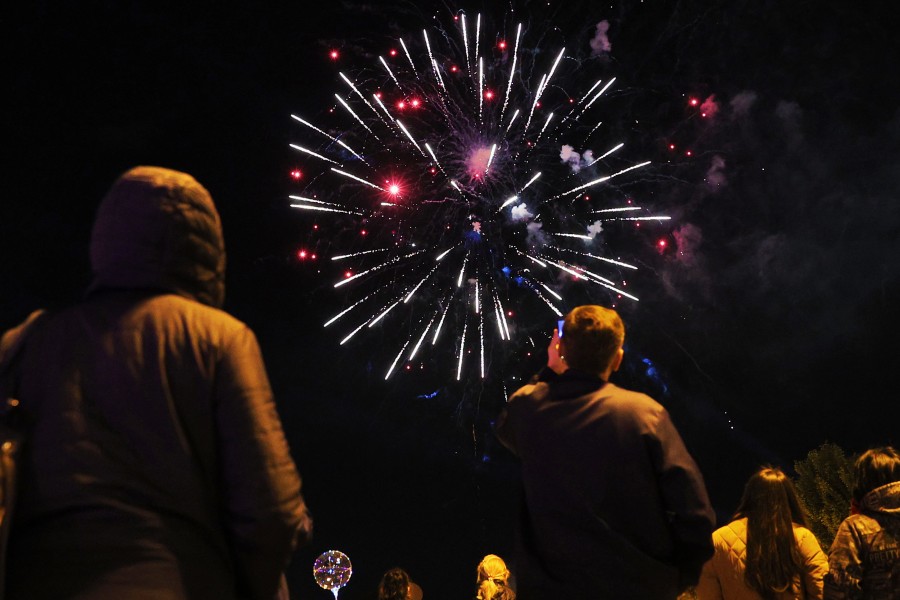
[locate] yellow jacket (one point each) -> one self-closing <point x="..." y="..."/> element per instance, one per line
<point x="723" y="575"/>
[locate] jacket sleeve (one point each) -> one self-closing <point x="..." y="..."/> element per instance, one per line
<point x="709" y="587"/>
<point x="844" y="578"/>
<point x="815" y="565"/>
<point x="684" y="498"/>
<point x="264" y="511"/>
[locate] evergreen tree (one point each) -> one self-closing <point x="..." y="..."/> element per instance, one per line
<point x="824" y="484"/>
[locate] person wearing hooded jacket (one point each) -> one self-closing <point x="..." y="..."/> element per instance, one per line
<point x="864" y="560"/>
<point x="156" y="465"/>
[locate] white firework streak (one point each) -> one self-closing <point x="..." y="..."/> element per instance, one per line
<point x="409" y="58"/>
<point x="311" y="153"/>
<point x="359" y="179"/>
<point x="430" y="55"/>
<point x="512" y="120"/>
<point x="530" y="181"/>
<point x="314" y="201"/>
<point x="462" y="271"/>
<point x="541" y="132"/>
<point x="490" y="158"/>
<point x="480" y="85"/>
<point x="502" y="314"/>
<point x="394" y="260"/>
<point x="343" y="256"/>
<point x="361" y="97"/>
<point x="499" y="322"/>
<point x="462" y="344"/>
<point x="590" y="276"/>
<point x="545" y="80"/>
<point x="605" y="154"/>
<point x="599" y="123"/>
<point x="551" y="292"/>
<point x="507" y="202"/>
<point x="352" y="333"/>
<point x="331" y="137"/>
<point x="573" y="235"/>
<point x="437" y="73"/>
<point x="466" y="44"/>
<point x="594" y="256"/>
<point x="391" y="73"/>
<point x="355" y="116"/>
<point x="477" y="303"/>
<point x="326" y="209"/>
<point x="435" y="158"/>
<point x="538" y="293"/>
<point x="437" y="331"/>
<point x="346" y="310"/>
<point x="512" y="71"/>
<point x="418" y="285"/>
<point x="394" y="364"/>
<point x="660" y="218"/>
<point x="594" y="99"/>
<point x="409" y="135"/>
<point x="384" y="313"/>
<point x="477" y="32"/>
<point x="444" y="253"/>
<point x="383" y="107"/>
<point x="481" y="340"/>
<point x="583" y="98"/>
<point x="597" y="181"/>
<point x="618" y="209"/>
<point x="415" y="349"/>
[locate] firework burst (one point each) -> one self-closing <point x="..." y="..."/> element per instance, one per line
<point x="461" y="165"/>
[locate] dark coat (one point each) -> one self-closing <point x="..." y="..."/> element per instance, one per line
<point x="156" y="466"/>
<point x="615" y="507"/>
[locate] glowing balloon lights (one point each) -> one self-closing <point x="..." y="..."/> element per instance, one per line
<point x="332" y="571"/>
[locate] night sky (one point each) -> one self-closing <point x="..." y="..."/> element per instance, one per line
<point x="768" y="324"/>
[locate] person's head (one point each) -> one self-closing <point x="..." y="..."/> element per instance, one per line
<point x="396" y="585"/>
<point x="771" y="507"/>
<point x="159" y="229"/>
<point x="768" y="493"/>
<point x="875" y="468"/>
<point x="492" y="578"/>
<point x="592" y="340"/>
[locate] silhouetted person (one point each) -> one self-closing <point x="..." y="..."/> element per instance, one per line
<point x="864" y="560"/>
<point x="396" y="585"/>
<point x="156" y="467"/>
<point x="766" y="552"/>
<point x="493" y="579"/>
<point x="615" y="507"/>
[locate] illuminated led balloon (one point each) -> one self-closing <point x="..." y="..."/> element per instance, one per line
<point x="332" y="571"/>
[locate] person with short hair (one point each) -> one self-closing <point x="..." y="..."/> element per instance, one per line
<point x="864" y="560"/>
<point x="614" y="505"/>
<point x="396" y="584"/>
<point x="766" y="551"/>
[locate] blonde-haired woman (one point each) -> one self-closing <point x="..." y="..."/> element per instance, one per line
<point x="493" y="579"/>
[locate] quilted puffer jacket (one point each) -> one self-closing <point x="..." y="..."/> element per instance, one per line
<point x="723" y="575"/>
<point x="865" y="556"/>
<point x="157" y="466"/>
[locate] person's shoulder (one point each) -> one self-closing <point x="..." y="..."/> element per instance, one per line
<point x="629" y="401"/>
<point x="731" y="532"/>
<point x="529" y="392"/>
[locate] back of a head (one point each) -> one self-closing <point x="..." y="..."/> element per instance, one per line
<point x="593" y="334"/>
<point x="492" y="577"/>
<point x="394" y="585"/>
<point x="875" y="468"/>
<point x="771" y="505"/>
<point x="159" y="229"/>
